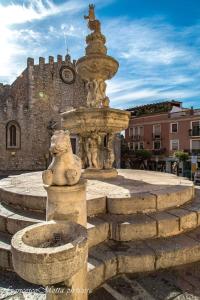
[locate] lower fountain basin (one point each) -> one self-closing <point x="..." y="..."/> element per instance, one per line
<point x="49" y="252"/>
<point x="85" y="120"/>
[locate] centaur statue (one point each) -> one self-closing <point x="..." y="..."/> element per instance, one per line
<point x="93" y="24"/>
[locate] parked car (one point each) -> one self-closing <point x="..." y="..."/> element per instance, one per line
<point x="197" y="177"/>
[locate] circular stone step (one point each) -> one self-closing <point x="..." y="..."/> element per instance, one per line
<point x="111" y="258"/>
<point x="130" y="192"/>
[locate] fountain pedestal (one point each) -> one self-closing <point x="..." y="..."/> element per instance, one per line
<point x="67" y="203"/>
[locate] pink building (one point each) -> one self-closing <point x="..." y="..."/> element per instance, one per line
<point x="164" y="128"/>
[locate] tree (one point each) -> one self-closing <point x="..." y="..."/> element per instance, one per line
<point x="181" y="155"/>
<point x="143" y="154"/>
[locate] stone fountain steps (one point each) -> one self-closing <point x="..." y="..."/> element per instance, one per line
<point x="13" y="220"/>
<point x="117" y="227"/>
<point x="157" y="200"/>
<point x="126" y="194"/>
<point x="111" y="258"/>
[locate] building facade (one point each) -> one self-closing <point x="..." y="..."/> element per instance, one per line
<point x="164" y="128"/>
<point x="30" y="109"/>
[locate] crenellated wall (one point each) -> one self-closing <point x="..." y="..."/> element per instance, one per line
<point x="35" y="100"/>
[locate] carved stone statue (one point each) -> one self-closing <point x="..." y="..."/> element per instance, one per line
<point x="110" y="156"/>
<point x="92" y="87"/>
<point x="92" y="149"/>
<point x="93" y="24"/>
<point x="65" y="168"/>
<point x="96" y="96"/>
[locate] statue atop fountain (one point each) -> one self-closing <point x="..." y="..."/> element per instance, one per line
<point x="96" y="124"/>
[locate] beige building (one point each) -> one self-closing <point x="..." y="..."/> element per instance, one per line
<point x="30" y="109"/>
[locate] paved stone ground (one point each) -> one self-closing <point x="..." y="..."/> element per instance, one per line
<point x="177" y="284"/>
<point x="182" y="283"/>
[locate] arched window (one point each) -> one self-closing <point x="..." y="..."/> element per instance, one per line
<point x="13" y="135"/>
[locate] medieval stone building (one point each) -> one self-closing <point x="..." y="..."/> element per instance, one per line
<point x="30" y="109"/>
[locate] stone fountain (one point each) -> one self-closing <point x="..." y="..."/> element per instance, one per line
<point x="56" y="252"/>
<point x="137" y="222"/>
<point x="96" y="124"/>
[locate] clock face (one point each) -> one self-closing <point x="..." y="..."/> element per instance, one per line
<point x="67" y="74"/>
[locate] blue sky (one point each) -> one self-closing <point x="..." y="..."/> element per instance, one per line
<point x="156" y="42"/>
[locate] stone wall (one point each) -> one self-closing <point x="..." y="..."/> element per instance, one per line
<point x="34" y="101"/>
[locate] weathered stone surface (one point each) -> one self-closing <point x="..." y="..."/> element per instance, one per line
<point x="175" y="196"/>
<point x="95" y="273"/>
<point x="97" y="231"/>
<point x="96" y="206"/>
<point x="5" y="255"/>
<point x="65" y="168"/>
<point x="37" y="262"/>
<point x="131" y="227"/>
<point x="34" y="101"/>
<point x="138" y="202"/>
<point x="167" y="225"/>
<point x="67" y="203"/>
<point x="27" y="190"/>
<point x="188" y="219"/>
<point x="133" y="257"/>
<point x="84" y="120"/>
<point x="106" y="255"/>
<point x="175" y="251"/>
<point x="12" y="220"/>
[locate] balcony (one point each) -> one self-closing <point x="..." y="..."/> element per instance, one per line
<point x="194" y="132"/>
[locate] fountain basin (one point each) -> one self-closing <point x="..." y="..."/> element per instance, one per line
<point x="49" y="252"/>
<point x="86" y="120"/>
<point x="96" y="66"/>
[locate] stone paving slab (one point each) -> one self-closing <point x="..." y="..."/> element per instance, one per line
<point x="174" y="284"/>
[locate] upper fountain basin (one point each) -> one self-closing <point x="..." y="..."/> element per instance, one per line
<point x="85" y="120"/>
<point x="96" y="66"/>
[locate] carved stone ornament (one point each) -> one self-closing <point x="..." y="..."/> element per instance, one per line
<point x="65" y="168"/>
<point x="67" y="74"/>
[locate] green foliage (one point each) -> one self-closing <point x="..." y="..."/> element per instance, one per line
<point x="143" y="154"/>
<point x="182" y="156"/>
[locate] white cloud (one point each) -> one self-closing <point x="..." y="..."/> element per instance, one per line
<point x="12" y="48"/>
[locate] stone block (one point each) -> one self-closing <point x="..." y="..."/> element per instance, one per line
<point x="97" y="231"/>
<point x="138" y="202"/>
<point x="175" y="251"/>
<point x="96" y="206"/>
<point x="4" y="214"/>
<point x="104" y="254"/>
<point x="173" y="196"/>
<point x="16" y="223"/>
<point x="95" y="273"/>
<point x="131" y="227"/>
<point x="4" y="259"/>
<point x="167" y="225"/>
<point x="188" y="219"/>
<point x="195" y="207"/>
<point x="133" y="257"/>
